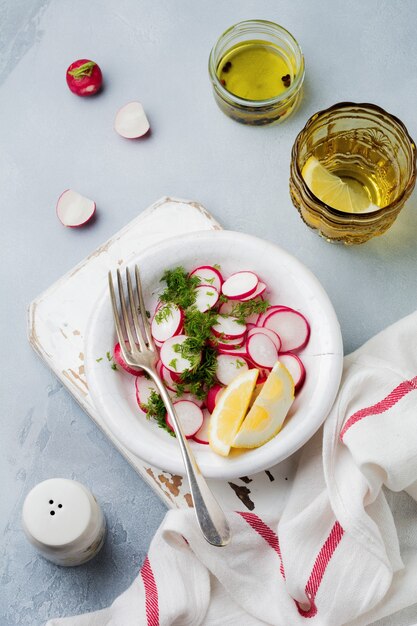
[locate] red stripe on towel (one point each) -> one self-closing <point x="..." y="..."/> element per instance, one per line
<point x="266" y="533"/>
<point x="380" y="407"/>
<point x="151" y="594"/>
<point x="319" y="567"/>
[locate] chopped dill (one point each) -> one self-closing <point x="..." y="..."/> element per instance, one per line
<point x="100" y="359"/>
<point x="114" y="367"/>
<point x="164" y="313"/>
<point x="199" y="379"/>
<point x="173" y="364"/>
<point x="242" y="310"/>
<point x="109" y="356"/>
<point x="156" y="410"/>
<point x="180" y="288"/>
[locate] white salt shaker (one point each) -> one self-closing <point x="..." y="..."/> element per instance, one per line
<point x="63" y="521"/>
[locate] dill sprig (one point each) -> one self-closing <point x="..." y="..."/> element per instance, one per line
<point x="180" y="288"/>
<point x="199" y="379"/>
<point x="156" y="410"/>
<point x="242" y="310"/>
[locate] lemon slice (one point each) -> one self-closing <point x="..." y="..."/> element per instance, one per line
<point x="269" y="410"/>
<point x="230" y="411"/>
<point x="349" y="197"/>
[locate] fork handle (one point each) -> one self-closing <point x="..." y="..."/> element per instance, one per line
<point x="211" y="519"/>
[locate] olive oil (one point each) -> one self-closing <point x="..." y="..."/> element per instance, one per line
<point x="255" y="70"/>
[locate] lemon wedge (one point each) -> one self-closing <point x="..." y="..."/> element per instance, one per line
<point x="269" y="410"/>
<point x="230" y="411"/>
<point x="347" y="196"/>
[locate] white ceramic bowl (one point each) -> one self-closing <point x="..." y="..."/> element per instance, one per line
<point x="290" y="283"/>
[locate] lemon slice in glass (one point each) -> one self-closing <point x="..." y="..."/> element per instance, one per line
<point x="347" y="196"/>
<point x="230" y="411"/>
<point x="269" y="410"/>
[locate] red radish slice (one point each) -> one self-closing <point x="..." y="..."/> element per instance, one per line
<point x="228" y="328"/>
<point x="262" y="317"/>
<point x="208" y="275"/>
<point x="240" y="285"/>
<point x="258" y="292"/>
<point x="84" y="77"/>
<point x="118" y="357"/>
<point x="166" y="376"/>
<point x="291" y="326"/>
<point x="73" y="209"/>
<point x="191" y="398"/>
<point x="212" y="396"/>
<point x="131" y="121"/>
<point x="228" y="367"/>
<point x="173" y="359"/>
<point x="144" y="388"/>
<point x="226" y="344"/>
<point x="202" y="434"/>
<point x="189" y="415"/>
<point x="295" y="367"/>
<point x="269" y="333"/>
<point x="262" y="350"/>
<point x="206" y="297"/>
<point x="167" y="322"/>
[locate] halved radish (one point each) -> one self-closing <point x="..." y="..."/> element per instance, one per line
<point x="167" y="322"/>
<point x="118" y="357"/>
<point x="73" y="209"/>
<point x="269" y="333"/>
<point x="202" y="434"/>
<point x="228" y="367"/>
<point x="228" y="328"/>
<point x="258" y="292"/>
<point x="295" y="367"/>
<point x="189" y="415"/>
<point x="240" y="285"/>
<point x="131" y="121"/>
<point x="291" y="326"/>
<point x="171" y="357"/>
<point x="208" y="275"/>
<point x="206" y="297"/>
<point x="213" y="396"/>
<point x="144" y="388"/>
<point x="262" y="350"/>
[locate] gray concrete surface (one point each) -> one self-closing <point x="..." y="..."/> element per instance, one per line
<point x="50" y="140"/>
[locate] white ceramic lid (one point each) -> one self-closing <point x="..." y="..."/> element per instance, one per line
<point x="57" y="512"/>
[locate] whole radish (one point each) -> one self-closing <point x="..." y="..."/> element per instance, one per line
<point x="84" y="77"/>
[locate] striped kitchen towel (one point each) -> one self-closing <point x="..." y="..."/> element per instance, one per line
<point x="334" y="557"/>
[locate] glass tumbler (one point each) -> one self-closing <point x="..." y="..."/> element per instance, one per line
<point x="366" y="144"/>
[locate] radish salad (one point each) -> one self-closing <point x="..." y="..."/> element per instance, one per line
<point x="208" y="328"/>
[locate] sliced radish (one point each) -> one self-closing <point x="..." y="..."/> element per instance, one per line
<point x="166" y="376"/>
<point x="262" y="350"/>
<point x="144" y="388"/>
<point x="291" y="326"/>
<point x="228" y="328"/>
<point x="228" y="367"/>
<point x="118" y="357"/>
<point x="240" y="285"/>
<point x="167" y="322"/>
<point x="73" y="209"/>
<point x="212" y="396"/>
<point x="262" y="317"/>
<point x="229" y="344"/>
<point x="131" y="121"/>
<point x="269" y="333"/>
<point x="208" y="275"/>
<point x="190" y="417"/>
<point x="191" y="398"/>
<point x="202" y="434"/>
<point x="295" y="367"/>
<point x="206" y="297"/>
<point x="171" y="357"/>
<point x="258" y="292"/>
<point x="226" y="308"/>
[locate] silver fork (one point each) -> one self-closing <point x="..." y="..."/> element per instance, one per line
<point x="138" y="350"/>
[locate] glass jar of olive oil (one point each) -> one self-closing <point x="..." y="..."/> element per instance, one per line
<point x="257" y="71"/>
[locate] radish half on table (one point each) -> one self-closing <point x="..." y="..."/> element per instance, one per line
<point x="131" y="121"/>
<point x="73" y="209"/>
